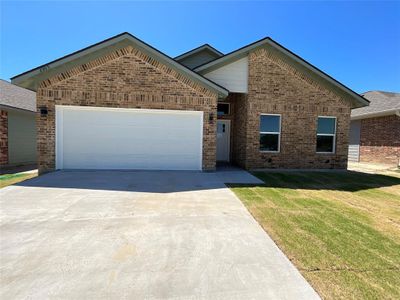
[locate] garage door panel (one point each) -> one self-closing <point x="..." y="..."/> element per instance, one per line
<point x="103" y="138"/>
<point x="114" y="148"/>
<point x="86" y="139"/>
<point x="142" y="119"/>
<point x="104" y="161"/>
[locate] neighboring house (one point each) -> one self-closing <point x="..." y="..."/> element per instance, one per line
<point x="17" y="125"/>
<point x="375" y="129"/>
<point x="122" y="104"/>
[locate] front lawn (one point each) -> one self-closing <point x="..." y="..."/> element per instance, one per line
<point x="9" y="179"/>
<point x="341" y="230"/>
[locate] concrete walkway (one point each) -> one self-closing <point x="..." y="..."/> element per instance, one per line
<point x="138" y="235"/>
<point x="372" y="168"/>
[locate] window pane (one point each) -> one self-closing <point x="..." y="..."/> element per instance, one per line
<point x="326" y="125"/>
<point x="223" y="109"/>
<point x="269" y="123"/>
<point x="269" y="142"/>
<point x="324" y="143"/>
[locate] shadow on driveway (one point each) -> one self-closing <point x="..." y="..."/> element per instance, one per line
<point x="180" y="181"/>
<point x="142" y="181"/>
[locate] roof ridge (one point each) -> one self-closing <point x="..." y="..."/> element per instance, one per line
<point x="198" y="48"/>
<point x="236" y="54"/>
<point x="233" y="51"/>
<point x="147" y="47"/>
<point x="71" y="54"/>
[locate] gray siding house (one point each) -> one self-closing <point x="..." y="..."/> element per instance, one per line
<point x="18" y="126"/>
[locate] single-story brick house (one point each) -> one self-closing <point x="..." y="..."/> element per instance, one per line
<point x="122" y="104"/>
<point x="375" y="129"/>
<point x="17" y="125"/>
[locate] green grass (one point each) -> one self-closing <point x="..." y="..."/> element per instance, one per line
<point x="342" y="230"/>
<point x="9" y="179"/>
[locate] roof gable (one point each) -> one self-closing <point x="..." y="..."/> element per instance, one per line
<point x="294" y="60"/>
<point x="205" y="47"/>
<point x="32" y="78"/>
<point x="198" y="56"/>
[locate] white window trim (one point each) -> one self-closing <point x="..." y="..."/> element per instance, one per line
<point x="327" y="134"/>
<point x="272" y="132"/>
<point x="229" y="108"/>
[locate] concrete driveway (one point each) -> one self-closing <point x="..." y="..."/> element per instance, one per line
<point x="138" y="235"/>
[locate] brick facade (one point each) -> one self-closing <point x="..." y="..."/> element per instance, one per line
<point x="239" y="129"/>
<point x="275" y="87"/>
<point x="128" y="78"/>
<point x="125" y="78"/>
<point x="380" y="140"/>
<point x="3" y="138"/>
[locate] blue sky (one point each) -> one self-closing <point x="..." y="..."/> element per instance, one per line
<point x="358" y="43"/>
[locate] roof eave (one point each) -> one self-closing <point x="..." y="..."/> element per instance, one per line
<point x="358" y="100"/>
<point x="227" y="58"/>
<point x="13" y="108"/>
<point x="19" y="79"/>
<point x="383" y="113"/>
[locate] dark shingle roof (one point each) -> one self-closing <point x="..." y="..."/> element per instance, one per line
<point x="380" y="102"/>
<point x="16" y="97"/>
<point x="200" y="48"/>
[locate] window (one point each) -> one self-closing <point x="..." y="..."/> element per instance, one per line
<point x="326" y="132"/>
<point x="223" y="109"/>
<point x="270" y="133"/>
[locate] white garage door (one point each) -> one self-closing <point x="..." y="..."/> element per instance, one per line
<point x="113" y="138"/>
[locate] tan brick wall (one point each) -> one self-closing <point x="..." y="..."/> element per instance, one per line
<point x="275" y="87"/>
<point x="128" y="79"/>
<point x="3" y="138"/>
<point x="239" y="129"/>
<point x="380" y="140"/>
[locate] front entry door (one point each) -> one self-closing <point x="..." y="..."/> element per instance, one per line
<point x="223" y="139"/>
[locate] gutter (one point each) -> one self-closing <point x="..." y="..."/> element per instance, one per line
<point x="382" y="113"/>
<point x="13" y="108"/>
